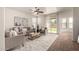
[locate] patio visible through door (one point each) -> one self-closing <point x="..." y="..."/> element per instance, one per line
<point x="52" y="25"/>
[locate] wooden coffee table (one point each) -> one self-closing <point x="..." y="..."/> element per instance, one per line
<point x="34" y="36"/>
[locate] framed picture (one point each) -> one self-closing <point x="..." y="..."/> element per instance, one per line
<point x="20" y="21"/>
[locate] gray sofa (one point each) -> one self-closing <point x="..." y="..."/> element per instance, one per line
<point x="13" y="42"/>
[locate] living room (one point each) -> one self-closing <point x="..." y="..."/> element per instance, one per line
<point x="27" y="22"/>
<point x="37" y="28"/>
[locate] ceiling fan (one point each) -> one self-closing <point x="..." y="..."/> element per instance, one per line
<point x="37" y="10"/>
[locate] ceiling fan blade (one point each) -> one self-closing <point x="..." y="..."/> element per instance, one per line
<point x="37" y="10"/>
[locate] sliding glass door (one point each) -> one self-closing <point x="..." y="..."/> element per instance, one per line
<point x="52" y="25"/>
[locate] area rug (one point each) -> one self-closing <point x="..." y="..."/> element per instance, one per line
<point x="40" y="44"/>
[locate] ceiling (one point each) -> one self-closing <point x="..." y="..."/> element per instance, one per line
<point x="47" y="10"/>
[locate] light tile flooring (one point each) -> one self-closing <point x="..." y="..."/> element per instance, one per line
<point x="40" y="44"/>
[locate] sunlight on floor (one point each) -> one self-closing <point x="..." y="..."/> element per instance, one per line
<point x="52" y="30"/>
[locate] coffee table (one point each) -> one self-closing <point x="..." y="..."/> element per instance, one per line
<point x="34" y="36"/>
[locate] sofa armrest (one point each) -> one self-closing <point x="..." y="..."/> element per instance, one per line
<point x="12" y="42"/>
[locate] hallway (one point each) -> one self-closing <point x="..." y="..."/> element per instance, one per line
<point x="64" y="43"/>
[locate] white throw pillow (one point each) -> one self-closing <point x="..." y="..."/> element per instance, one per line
<point x="13" y="33"/>
<point x="24" y="30"/>
<point x="17" y="30"/>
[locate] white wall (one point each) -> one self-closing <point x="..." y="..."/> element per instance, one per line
<point x="2" y="40"/>
<point x="50" y="10"/>
<point x="76" y="23"/>
<point x="9" y="17"/>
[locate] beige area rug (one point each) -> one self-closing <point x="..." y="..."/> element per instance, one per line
<point x="40" y="44"/>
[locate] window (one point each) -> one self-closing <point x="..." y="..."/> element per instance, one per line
<point x="34" y="22"/>
<point x="67" y="24"/>
<point x="39" y="20"/>
<point x="64" y="23"/>
<point x="70" y="22"/>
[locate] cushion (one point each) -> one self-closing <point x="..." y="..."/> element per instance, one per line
<point x="13" y="33"/>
